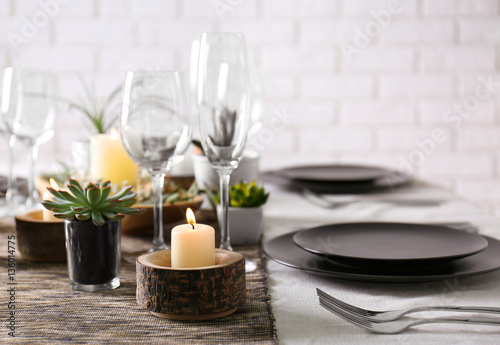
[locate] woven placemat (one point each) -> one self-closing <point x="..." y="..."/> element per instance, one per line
<point x="48" y="311"/>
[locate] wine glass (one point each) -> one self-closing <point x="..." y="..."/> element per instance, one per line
<point x="9" y="202"/>
<point x="223" y="110"/>
<point x="28" y="107"/>
<point x="156" y="130"/>
<point x="8" y="196"/>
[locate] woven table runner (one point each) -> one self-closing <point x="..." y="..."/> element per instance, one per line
<point x="47" y="311"/>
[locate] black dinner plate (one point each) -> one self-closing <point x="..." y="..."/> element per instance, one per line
<point x="334" y="173"/>
<point x="389" y="179"/>
<point x="283" y="250"/>
<point x="384" y="243"/>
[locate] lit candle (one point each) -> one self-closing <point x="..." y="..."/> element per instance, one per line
<point x="47" y="214"/>
<point x="109" y="161"/>
<point x="193" y="245"/>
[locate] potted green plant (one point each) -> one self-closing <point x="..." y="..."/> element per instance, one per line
<point x="92" y="225"/>
<point x="245" y="212"/>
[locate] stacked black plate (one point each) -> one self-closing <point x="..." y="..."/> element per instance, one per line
<point x="342" y="178"/>
<point x="386" y="252"/>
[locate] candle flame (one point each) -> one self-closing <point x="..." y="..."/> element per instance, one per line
<point x="190" y="216"/>
<point x="114" y="134"/>
<point x="53" y="184"/>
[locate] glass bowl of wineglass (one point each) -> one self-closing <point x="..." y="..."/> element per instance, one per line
<point x="28" y="108"/>
<point x="156" y="130"/>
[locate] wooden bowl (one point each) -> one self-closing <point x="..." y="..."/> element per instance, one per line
<point x="191" y="293"/>
<point x="142" y="224"/>
<point x="40" y="240"/>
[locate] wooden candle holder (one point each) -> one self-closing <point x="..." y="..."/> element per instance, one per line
<point x="199" y="293"/>
<point x="40" y="240"/>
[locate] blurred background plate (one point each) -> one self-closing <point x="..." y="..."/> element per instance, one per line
<point x="334" y="173"/>
<point x="389" y="181"/>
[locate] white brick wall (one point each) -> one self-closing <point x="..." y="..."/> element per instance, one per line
<point x="456" y="7"/>
<point x="418" y="72"/>
<point x="137" y="8"/>
<point x="4" y="9"/>
<point x="416" y="84"/>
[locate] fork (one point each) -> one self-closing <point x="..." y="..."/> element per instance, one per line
<point x="321" y="201"/>
<point x="384" y="316"/>
<point x="400" y="325"/>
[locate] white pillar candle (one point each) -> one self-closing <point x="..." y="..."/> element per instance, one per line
<point x="47" y="214"/>
<point x="193" y="245"/>
<point x="110" y="161"/>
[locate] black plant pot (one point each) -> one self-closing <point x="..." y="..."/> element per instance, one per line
<point x="93" y="254"/>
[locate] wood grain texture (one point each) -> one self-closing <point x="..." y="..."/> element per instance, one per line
<point x="39" y="240"/>
<point x="191" y="294"/>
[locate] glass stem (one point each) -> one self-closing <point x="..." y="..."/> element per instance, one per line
<point x="32" y="200"/>
<point x="11" y="177"/>
<point x="158" y="180"/>
<point x="224" y="176"/>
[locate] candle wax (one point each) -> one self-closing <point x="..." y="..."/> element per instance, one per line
<point x="109" y="161"/>
<point x="193" y="247"/>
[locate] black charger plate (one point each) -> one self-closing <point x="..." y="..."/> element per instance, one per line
<point x="282" y="249"/>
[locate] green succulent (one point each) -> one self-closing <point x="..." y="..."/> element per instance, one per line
<point x="93" y="202"/>
<point x="246" y="194"/>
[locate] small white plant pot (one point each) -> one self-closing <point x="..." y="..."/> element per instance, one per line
<point x="184" y="168"/>
<point x="245" y="224"/>
<point x="206" y="176"/>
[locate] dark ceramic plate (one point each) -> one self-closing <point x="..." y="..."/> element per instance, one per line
<point x="334" y="173"/>
<point x="389" y="243"/>
<point x="389" y="180"/>
<point x="283" y="250"/>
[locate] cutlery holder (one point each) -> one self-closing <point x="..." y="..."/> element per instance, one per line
<point x="191" y="293"/>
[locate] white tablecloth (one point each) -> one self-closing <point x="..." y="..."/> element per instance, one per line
<point x="300" y="319"/>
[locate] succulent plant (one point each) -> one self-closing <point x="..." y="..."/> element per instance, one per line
<point x="94" y="202"/>
<point x="246" y="194"/>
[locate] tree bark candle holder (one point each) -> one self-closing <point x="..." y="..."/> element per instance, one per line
<point x="199" y="293"/>
<point x="38" y="239"/>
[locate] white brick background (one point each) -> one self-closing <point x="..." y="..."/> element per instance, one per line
<point x="381" y="105"/>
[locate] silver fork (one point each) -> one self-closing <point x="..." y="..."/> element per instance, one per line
<point x="400" y="325"/>
<point x="321" y="201"/>
<point x="384" y="316"/>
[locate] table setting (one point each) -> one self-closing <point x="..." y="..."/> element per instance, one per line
<point x="311" y="263"/>
<point x="332" y="253"/>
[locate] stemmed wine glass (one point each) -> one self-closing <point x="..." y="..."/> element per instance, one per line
<point x="156" y="130"/>
<point x="11" y="197"/>
<point x="28" y="107"/>
<point x="223" y="110"/>
<point x="8" y="205"/>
